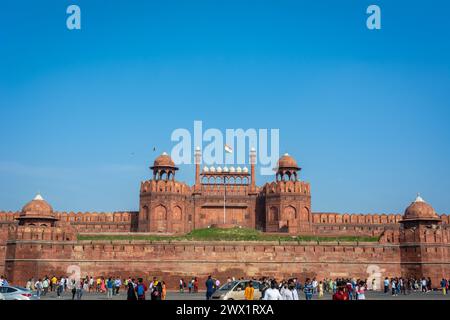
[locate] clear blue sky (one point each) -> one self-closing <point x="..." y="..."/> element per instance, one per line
<point x="365" y="113"/>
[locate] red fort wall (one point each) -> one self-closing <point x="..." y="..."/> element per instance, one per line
<point x="36" y="251"/>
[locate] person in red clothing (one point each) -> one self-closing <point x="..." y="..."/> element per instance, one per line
<point x="195" y="285"/>
<point x="341" y="293"/>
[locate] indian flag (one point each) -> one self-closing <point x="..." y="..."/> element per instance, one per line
<point x="228" y="149"/>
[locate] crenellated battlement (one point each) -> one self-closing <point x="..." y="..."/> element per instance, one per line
<point x="354" y="218"/>
<point x="165" y="186"/>
<point x="96" y="217"/>
<point x="416" y="237"/>
<point x="445" y="218"/>
<point x="299" y="187"/>
<point x="8" y="216"/>
<point x="21" y="233"/>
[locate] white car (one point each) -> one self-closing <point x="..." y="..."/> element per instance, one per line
<point x="234" y="290"/>
<point x="16" y="293"/>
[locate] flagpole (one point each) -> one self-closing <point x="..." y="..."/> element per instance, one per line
<point x="224" y="199"/>
<point x="227" y="150"/>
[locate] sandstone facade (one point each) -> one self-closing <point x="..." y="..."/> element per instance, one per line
<point x="38" y="241"/>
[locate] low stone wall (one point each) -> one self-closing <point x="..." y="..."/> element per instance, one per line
<point x="172" y="261"/>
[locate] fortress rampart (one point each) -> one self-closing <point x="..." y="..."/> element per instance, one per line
<point x="38" y="241"/>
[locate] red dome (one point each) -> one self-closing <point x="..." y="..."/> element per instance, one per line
<point x="419" y="209"/>
<point x="164" y="160"/>
<point x="286" y="161"/>
<point x="38" y="208"/>
<point x="38" y="205"/>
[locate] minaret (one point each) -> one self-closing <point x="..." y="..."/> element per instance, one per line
<point x="198" y="159"/>
<point x="252" y="169"/>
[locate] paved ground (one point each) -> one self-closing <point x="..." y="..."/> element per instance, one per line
<point x="201" y="296"/>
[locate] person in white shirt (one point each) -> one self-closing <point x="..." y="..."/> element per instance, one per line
<point x="63" y="283"/>
<point x="272" y="293"/>
<point x="117" y="284"/>
<point x="38" y="286"/>
<point x="386" y="285"/>
<point x="91" y="284"/>
<point x="314" y="285"/>
<point x="285" y="293"/>
<point x="293" y="294"/>
<point x="374" y="285"/>
<point x="45" y="285"/>
<point x="60" y="288"/>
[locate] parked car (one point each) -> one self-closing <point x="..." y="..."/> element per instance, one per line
<point x="16" y="293"/>
<point x="234" y="290"/>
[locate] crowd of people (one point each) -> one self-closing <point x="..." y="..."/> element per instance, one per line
<point x="271" y="289"/>
<point x="291" y="289"/>
<point x="397" y="286"/>
<point x="135" y="288"/>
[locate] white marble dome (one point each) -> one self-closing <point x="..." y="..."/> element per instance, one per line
<point x="205" y="169"/>
<point x="232" y="169"/>
<point x="245" y="169"/>
<point x="239" y="169"/>
<point x="212" y="169"/>
<point x="219" y="169"/>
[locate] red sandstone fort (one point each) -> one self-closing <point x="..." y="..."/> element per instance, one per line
<point x="39" y="241"/>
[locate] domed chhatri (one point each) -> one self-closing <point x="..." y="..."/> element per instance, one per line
<point x="420" y="210"/>
<point x="287" y="162"/>
<point x="164" y="160"/>
<point x="37" y="212"/>
<point x="164" y="168"/>
<point x="287" y="168"/>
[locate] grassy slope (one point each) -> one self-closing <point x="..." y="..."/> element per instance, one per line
<point x="235" y="234"/>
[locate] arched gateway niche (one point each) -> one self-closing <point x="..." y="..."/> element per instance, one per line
<point x="176" y="213"/>
<point x="290" y="213"/>
<point x="304" y="215"/>
<point x="160" y="218"/>
<point x="273" y="214"/>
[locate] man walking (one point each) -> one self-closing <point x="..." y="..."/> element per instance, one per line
<point x="444" y="286"/>
<point x="308" y="289"/>
<point x="38" y="286"/>
<point x="386" y="285"/>
<point x="209" y="287"/>
<point x="272" y="293"/>
<point x="109" y="287"/>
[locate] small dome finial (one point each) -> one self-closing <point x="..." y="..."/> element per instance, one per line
<point x="419" y="198"/>
<point x="38" y="197"/>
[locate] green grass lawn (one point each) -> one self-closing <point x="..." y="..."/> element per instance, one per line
<point x="234" y="234"/>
